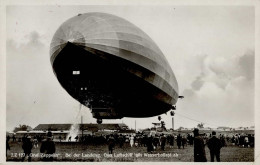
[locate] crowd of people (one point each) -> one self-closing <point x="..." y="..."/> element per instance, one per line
<point x="159" y="141"/>
<point x="243" y="140"/>
<point x="151" y="142"/>
<point x="215" y="144"/>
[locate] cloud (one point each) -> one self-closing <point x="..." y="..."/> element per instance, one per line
<point x="223" y="93"/>
<point x="221" y="70"/>
<point x="198" y="83"/>
<point x="247" y="64"/>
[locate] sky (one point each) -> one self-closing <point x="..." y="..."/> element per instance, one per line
<point x="210" y="49"/>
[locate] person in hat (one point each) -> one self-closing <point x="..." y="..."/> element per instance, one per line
<point x="179" y="139"/>
<point x="171" y="141"/>
<point x="111" y="143"/>
<point x="131" y="140"/>
<point x="184" y="141"/>
<point x="156" y="141"/>
<point x="27" y="148"/>
<point x="163" y="141"/>
<point x="199" y="147"/>
<point x="14" y="138"/>
<point x="191" y="140"/>
<point x="7" y="144"/>
<point x="149" y="143"/>
<point x="214" y="145"/>
<point x="35" y="142"/>
<point x="121" y="140"/>
<point x="48" y="148"/>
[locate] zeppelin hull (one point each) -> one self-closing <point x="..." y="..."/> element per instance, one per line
<point x="112" y="67"/>
<point x="102" y="81"/>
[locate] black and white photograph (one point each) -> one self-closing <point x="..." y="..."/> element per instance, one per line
<point x="130" y="83"/>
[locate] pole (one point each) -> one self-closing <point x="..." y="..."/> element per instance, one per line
<point x="135" y="125"/>
<point x="172" y="124"/>
<point x="81" y="127"/>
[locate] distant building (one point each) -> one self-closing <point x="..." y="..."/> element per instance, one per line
<point x="245" y="128"/>
<point x="205" y="129"/>
<point x="63" y="130"/>
<point x="89" y="127"/>
<point x="224" y="128"/>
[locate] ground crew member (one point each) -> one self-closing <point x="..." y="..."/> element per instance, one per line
<point x="214" y="145"/>
<point x="199" y="147"/>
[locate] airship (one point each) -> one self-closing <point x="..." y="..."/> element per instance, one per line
<point x="112" y="67"/>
